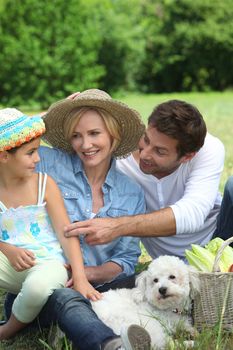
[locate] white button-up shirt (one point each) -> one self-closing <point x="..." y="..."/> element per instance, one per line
<point x="191" y="191"/>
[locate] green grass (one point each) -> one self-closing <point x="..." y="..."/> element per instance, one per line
<point x="217" y="109"/>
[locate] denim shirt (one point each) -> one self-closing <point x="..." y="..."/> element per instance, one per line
<point x="122" y="196"/>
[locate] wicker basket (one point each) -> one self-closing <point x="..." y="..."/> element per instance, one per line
<point x="214" y="303"/>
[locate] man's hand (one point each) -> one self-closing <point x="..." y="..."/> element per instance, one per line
<point x="20" y="259"/>
<point x="96" y="231"/>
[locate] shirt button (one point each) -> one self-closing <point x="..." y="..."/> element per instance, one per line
<point x="87" y="210"/>
<point x="88" y="195"/>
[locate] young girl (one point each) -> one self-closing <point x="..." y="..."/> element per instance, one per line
<point x="31" y="259"/>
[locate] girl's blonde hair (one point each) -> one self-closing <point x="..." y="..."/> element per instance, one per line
<point x="111" y="123"/>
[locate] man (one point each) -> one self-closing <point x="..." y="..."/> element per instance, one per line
<point x="224" y="227"/>
<point x="178" y="164"/>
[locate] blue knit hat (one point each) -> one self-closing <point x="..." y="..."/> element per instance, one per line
<point x="17" y="128"/>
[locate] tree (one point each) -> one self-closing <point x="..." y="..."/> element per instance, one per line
<point x="48" y="49"/>
<point x="189" y="44"/>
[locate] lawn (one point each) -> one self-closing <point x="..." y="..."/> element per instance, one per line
<point x="217" y="109"/>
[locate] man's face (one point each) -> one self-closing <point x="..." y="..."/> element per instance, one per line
<point x="158" y="153"/>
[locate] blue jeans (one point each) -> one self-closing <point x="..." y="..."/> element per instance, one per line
<point x="76" y="318"/>
<point x="225" y="218"/>
<point x="74" y="315"/>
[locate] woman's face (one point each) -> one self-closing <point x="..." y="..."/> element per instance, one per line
<point x="91" y="140"/>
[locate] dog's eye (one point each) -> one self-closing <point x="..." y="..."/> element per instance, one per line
<point x="156" y="280"/>
<point x="172" y="277"/>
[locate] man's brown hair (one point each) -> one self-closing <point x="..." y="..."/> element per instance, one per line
<point x="181" y="121"/>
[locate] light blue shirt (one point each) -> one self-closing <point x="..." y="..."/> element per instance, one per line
<point x="122" y="197"/>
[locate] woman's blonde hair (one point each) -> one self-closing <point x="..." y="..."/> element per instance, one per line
<point x="111" y="123"/>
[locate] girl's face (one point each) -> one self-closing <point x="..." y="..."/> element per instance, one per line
<point x="91" y="140"/>
<point x="23" y="161"/>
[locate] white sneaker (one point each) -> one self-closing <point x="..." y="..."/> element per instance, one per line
<point x="135" y="337"/>
<point x="112" y="344"/>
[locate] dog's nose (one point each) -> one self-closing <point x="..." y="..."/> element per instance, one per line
<point x="163" y="290"/>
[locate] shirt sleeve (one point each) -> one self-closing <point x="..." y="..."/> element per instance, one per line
<point x="127" y="251"/>
<point x="47" y="159"/>
<point x="201" y="188"/>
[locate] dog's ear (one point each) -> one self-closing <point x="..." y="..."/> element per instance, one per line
<point x="194" y="281"/>
<point x="139" y="291"/>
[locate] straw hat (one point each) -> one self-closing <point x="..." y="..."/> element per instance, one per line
<point x="129" y="120"/>
<point x="17" y="128"/>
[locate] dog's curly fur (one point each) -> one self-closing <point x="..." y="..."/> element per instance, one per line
<point x="163" y="288"/>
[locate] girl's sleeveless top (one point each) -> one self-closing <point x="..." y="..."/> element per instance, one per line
<point x="30" y="227"/>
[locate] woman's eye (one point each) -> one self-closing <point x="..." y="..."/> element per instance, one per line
<point x="75" y="136"/>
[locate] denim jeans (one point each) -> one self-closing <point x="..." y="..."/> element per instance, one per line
<point x="74" y="315"/>
<point x="225" y="218"/>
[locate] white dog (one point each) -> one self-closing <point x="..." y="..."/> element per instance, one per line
<point x="161" y="294"/>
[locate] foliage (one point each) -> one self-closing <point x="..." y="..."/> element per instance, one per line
<point x="49" y="49"/>
<point x="123" y="46"/>
<point x="189" y="44"/>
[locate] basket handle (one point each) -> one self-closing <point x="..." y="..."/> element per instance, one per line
<point x="219" y="254"/>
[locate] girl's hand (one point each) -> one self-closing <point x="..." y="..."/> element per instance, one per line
<point x="69" y="283"/>
<point x="87" y="290"/>
<point x="20" y="259"/>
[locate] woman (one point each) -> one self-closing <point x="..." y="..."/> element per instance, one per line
<point x="87" y="133"/>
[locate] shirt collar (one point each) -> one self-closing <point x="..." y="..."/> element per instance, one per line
<point x="77" y="164"/>
<point x="78" y="168"/>
<point x="110" y="178"/>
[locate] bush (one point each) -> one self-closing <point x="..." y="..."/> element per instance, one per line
<point x="189" y="44"/>
<point x="48" y="49"/>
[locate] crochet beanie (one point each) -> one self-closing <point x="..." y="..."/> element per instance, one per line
<point x="17" y="128"/>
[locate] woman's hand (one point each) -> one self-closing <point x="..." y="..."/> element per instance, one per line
<point x="72" y="96"/>
<point x="20" y="259"/>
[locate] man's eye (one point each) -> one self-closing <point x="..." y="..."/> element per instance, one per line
<point x="159" y="152"/>
<point x="146" y="140"/>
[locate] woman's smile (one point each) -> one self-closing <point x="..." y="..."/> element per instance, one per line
<point x="92" y="141"/>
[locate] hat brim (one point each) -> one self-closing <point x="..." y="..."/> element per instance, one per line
<point x="129" y="119"/>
